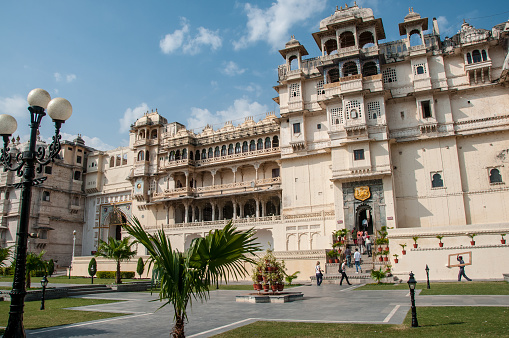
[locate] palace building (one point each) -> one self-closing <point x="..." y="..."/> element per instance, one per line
<point x="412" y="135"/>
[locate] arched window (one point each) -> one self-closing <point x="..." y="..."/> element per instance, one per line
<point x="172" y="156"/>
<point x="230" y="149"/>
<point x="154" y="134"/>
<point x="216" y="152"/>
<point x="211" y="153"/>
<point x="369" y="68"/>
<point x="469" y="58"/>
<point x="350" y="68"/>
<point x="484" y="55"/>
<point x="203" y="154"/>
<point x="184" y="153"/>
<point x="252" y="145"/>
<point x="244" y="147"/>
<point x="415" y="38"/>
<point x="197" y="155"/>
<point x="177" y="155"/>
<point x="495" y="176"/>
<point x="330" y="46"/>
<point x="366" y="40"/>
<point x="237" y="148"/>
<point x="292" y="63"/>
<point x="476" y="56"/>
<point x="223" y="150"/>
<point x="141" y="156"/>
<point x="259" y="144"/>
<point x="112" y="161"/>
<point x="142" y="134"/>
<point x="147" y="157"/>
<point x="118" y="162"/>
<point x="333" y="75"/>
<point x="437" y="181"/>
<point x="267" y="142"/>
<point x="420" y="70"/>
<point x="191" y="156"/>
<point x="124" y="159"/>
<point x="346" y="39"/>
<point x="275" y="142"/>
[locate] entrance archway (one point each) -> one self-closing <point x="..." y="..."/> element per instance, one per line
<point x="364" y="212"/>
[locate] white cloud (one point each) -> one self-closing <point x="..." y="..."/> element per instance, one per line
<point x="15" y="106"/>
<point x="444" y="27"/>
<point x="182" y="38"/>
<point x="131" y="115"/>
<point x="232" y="69"/>
<point x="273" y="24"/>
<point x="251" y="88"/>
<point x="236" y="113"/>
<point x="64" y="78"/>
<point x="93" y="142"/>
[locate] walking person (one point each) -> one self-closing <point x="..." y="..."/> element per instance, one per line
<point x="462" y="269"/>
<point x="342" y="271"/>
<point x="368" y="246"/>
<point x="319" y="273"/>
<point x="348" y="256"/>
<point x="357" y="259"/>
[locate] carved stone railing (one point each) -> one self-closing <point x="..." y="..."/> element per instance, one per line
<point x="268" y="151"/>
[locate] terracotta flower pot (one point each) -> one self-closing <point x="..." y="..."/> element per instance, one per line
<point x="265" y="287"/>
<point x="336" y="260"/>
<point x="386" y="259"/>
<point x="403" y="252"/>
<point x="441" y="244"/>
<point x="381" y="259"/>
<point x="273" y="287"/>
<point x="331" y="260"/>
<point x="472" y="242"/>
<point x="379" y="249"/>
<point x="502" y="241"/>
<point x="280" y="287"/>
<point x="396" y="260"/>
<point x="415" y="246"/>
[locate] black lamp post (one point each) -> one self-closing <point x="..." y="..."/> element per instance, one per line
<point x="44" y="283"/>
<point x="24" y="164"/>
<point x="411" y="284"/>
<point x="427" y="275"/>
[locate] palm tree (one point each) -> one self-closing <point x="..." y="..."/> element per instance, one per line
<point x="118" y="250"/>
<point x="4" y="254"/>
<point x="221" y="254"/>
<point x="34" y="263"/>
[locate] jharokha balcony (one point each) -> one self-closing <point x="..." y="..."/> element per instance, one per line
<point x="273" y="183"/>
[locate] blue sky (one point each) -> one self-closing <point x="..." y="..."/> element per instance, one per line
<point x="196" y="62"/>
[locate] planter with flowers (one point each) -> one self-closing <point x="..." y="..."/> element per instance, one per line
<point x="472" y="242"/>
<point x="440" y="244"/>
<point x="332" y="254"/>
<point x="403" y="252"/>
<point x="386" y="253"/>
<point x="270" y="272"/>
<point x="415" y="238"/>
<point x="396" y="258"/>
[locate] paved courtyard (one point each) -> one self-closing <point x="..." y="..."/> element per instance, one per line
<point x="327" y="303"/>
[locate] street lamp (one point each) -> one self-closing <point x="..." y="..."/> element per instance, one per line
<point x="427" y="275"/>
<point x="44" y="283"/>
<point x="73" y="245"/>
<point x="411" y="284"/>
<point x="24" y="164"/>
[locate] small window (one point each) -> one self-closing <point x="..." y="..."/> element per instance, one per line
<point x="244" y="147"/>
<point x="259" y="144"/>
<point x="484" y="56"/>
<point x="420" y="70"/>
<point x="237" y="148"/>
<point x="77" y="175"/>
<point x="495" y="176"/>
<point x="80" y="151"/>
<point x="296" y="128"/>
<point x="223" y="150"/>
<point x="436" y="180"/>
<point x="318" y="126"/>
<point x="69" y="148"/>
<point x="476" y="56"/>
<point x="47" y="170"/>
<point x="112" y="160"/>
<point x="275" y="172"/>
<point x="426" y="109"/>
<point x="358" y="154"/>
<point x="45" y="196"/>
<point x="267" y="143"/>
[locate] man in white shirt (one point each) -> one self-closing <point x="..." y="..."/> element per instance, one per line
<point x="357" y="259"/>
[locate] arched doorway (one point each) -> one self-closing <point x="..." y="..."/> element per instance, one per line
<point x="115" y="222"/>
<point x="363" y="216"/>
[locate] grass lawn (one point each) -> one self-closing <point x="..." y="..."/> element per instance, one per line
<point x="433" y="321"/>
<point x="36" y="281"/>
<point x="55" y="313"/>
<point x="455" y="288"/>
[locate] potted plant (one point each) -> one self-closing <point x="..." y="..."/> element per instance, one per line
<point x="265" y="287"/>
<point x="388" y="268"/>
<point x="380" y="242"/>
<point x="331" y="254"/>
<point x="415" y="238"/>
<point x="472" y="242"/>
<point x="503" y="239"/>
<point x="385" y="253"/>
<point x="403" y="252"/>
<point x="440" y="244"/>
<point x="395" y="258"/>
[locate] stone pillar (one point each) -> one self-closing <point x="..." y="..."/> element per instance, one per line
<point x="241" y="206"/>
<point x="220" y="206"/>
<point x="234" y="170"/>
<point x="193" y="213"/>
<point x="200" y="214"/>
<point x="213" y="210"/>
<point x="264" y="207"/>
<point x="234" y="210"/>
<point x="256" y="166"/>
<point x="186" y="215"/>
<point x="213" y="172"/>
<point x="187" y="179"/>
<point x="257" y="200"/>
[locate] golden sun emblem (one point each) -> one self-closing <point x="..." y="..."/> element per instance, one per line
<point x="362" y="193"/>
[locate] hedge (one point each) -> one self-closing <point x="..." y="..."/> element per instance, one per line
<point x="111" y="274"/>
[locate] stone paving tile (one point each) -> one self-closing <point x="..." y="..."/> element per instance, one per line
<point x="327" y="303"/>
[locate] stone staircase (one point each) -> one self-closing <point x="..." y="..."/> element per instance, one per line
<point x="80" y="290"/>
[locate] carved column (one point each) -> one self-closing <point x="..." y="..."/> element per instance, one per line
<point x="234" y="170"/>
<point x="264" y="207"/>
<point x="257" y="200"/>
<point x="213" y="204"/>
<point x="241" y="206"/>
<point x="220" y="206"/>
<point x="256" y="167"/>
<point x="186" y="212"/>
<point x="193" y="213"/>
<point x="187" y="178"/>
<point x="213" y="172"/>
<point x="234" y="203"/>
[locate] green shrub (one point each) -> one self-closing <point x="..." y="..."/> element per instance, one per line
<point x="105" y="274"/>
<point x="8" y="271"/>
<point x="111" y="274"/>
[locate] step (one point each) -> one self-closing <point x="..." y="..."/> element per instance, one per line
<point x="80" y="293"/>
